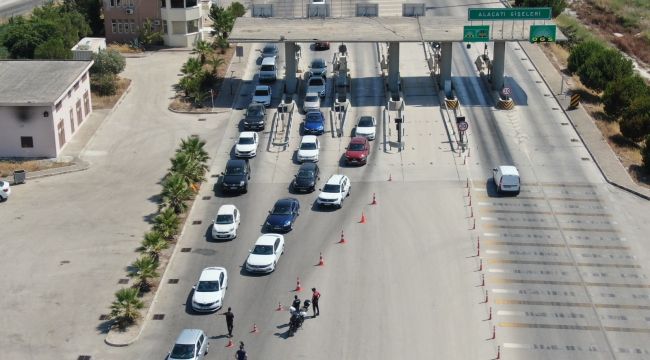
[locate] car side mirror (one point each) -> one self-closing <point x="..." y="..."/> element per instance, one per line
<point x="494" y="169"/>
<point x="194" y="287"/>
<point x="222" y="173"/>
<point x="269" y="211"/>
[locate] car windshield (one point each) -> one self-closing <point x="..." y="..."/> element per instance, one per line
<point x="207" y="286"/>
<point x="183" y="351"/>
<point x="246" y="140"/>
<point x="355" y="147"/>
<point x="318" y="64"/>
<point x="316" y="82"/>
<point x="311" y="98"/>
<point x="224" y="219"/>
<point x="365" y="121"/>
<point x="234" y="170"/>
<point x="308" y="146"/>
<point x="282" y="209"/>
<point x="305" y="174"/>
<point x="267" y="68"/>
<point x="263" y="250"/>
<point x="255" y="111"/>
<point x="261" y="93"/>
<point x="313" y="117"/>
<point x="331" y="188"/>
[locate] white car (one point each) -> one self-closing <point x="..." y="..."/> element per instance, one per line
<point x="308" y="149"/>
<point x="336" y="189"/>
<point x="247" y="144"/>
<point x="226" y="223"/>
<point x="366" y="127"/>
<point x="316" y="84"/>
<point x="5" y="190"/>
<point x="262" y="95"/>
<point x="210" y="290"/>
<point x="312" y="102"/>
<point x="266" y="253"/>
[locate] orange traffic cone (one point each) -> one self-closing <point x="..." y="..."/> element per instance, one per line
<point x="230" y="344"/>
<point x="320" y="260"/>
<point x="254" y="328"/>
<point x="298" y="287"/>
<point x="363" y="218"/>
<point x="342" y="241"/>
<point x="374" y="201"/>
<point x="279" y="307"/>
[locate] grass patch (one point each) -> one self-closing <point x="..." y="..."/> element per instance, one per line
<point x="574" y="29"/>
<point x="7" y="167"/>
<point x="107" y="102"/>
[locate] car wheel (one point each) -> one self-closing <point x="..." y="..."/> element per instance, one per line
<point x="245" y="189"/>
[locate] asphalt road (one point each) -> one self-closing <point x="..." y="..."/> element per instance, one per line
<point x="9" y="8"/>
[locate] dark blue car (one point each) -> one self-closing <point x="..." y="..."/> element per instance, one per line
<point x="314" y="123"/>
<point x="284" y="213"/>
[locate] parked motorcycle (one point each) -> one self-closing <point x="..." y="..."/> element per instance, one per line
<point x="298" y="317"/>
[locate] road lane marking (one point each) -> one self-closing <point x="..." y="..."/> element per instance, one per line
<point x="569" y="283"/>
<point x="517" y="346"/>
<point x="561" y="263"/>
<point x="569" y="304"/>
<point x="541" y="212"/>
<point x="510" y="313"/>
<point x="544" y="228"/>
<point x="576" y="246"/>
<point x="571" y="327"/>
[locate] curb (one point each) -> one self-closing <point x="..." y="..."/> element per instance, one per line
<point x="197" y="112"/>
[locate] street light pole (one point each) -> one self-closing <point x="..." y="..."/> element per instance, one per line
<point x="212" y="98"/>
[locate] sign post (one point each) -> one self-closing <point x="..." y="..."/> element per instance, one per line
<point x="477" y="33"/>
<point x="542" y="33"/>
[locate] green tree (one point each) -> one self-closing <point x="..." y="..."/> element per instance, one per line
<point x="108" y="62"/>
<point x="603" y="67"/>
<point x="153" y="244"/>
<point x="52" y="49"/>
<point x="620" y="93"/>
<point x="202" y="48"/>
<point x="191" y="170"/>
<point x="91" y="10"/>
<point x="143" y="270"/>
<point x="104" y="85"/>
<point x="222" y="21"/>
<point x="635" y="123"/>
<point x="166" y="223"/>
<point x="237" y="9"/>
<point x="645" y="153"/>
<point x="125" y="310"/>
<point x="192" y="66"/>
<point x="21" y="37"/>
<point x="556" y="5"/>
<point x="148" y="36"/>
<point x="215" y="63"/>
<point x="581" y="52"/>
<point x="176" y="192"/>
<point x="222" y="43"/>
<point x="195" y="147"/>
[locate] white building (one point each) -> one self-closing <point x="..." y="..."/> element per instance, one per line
<point x="88" y="46"/>
<point x="42" y="104"/>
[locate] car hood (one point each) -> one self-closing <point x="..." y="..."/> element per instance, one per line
<point x="354" y="154"/>
<point x="261" y="99"/>
<point x="365" y="130"/>
<point x="254" y="259"/>
<point x="301" y="181"/>
<point x="313" y="125"/>
<point x="245" y="147"/>
<point x="315" y="88"/>
<point x="311" y="104"/>
<point x="307" y="152"/>
<point x="253" y="119"/>
<point x="233" y="179"/>
<point x="206" y="297"/>
<point x="223" y="227"/>
<point x="329" y="196"/>
<point x="278" y="219"/>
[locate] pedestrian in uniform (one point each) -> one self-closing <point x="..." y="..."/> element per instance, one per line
<point x="315" y="295"/>
<point x="241" y="353"/>
<point x="296" y="303"/>
<point x="230" y="318"/>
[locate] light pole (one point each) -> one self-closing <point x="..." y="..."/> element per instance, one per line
<point x="212" y="98"/>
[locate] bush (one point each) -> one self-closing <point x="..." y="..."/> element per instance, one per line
<point x="645" y="153"/>
<point x="635" y="124"/>
<point x="604" y="67"/>
<point x="574" y="30"/>
<point x="52" y="49"/>
<point x="104" y="85"/>
<point x="581" y="52"/>
<point x="557" y="6"/>
<point x="108" y="62"/>
<point x="237" y="9"/>
<point x="620" y="93"/>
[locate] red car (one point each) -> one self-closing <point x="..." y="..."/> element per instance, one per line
<point x="358" y="151"/>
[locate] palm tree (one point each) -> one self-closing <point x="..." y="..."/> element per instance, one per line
<point x="216" y="62"/>
<point x="175" y="192"/>
<point x="166" y="223"/>
<point x="189" y="168"/>
<point x="202" y="48"/>
<point x="125" y="310"/>
<point x="192" y="66"/>
<point x="194" y="146"/>
<point x="153" y="244"/>
<point x="144" y="269"/>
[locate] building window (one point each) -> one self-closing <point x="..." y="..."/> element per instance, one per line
<point x="118" y="2"/>
<point x="129" y="3"/>
<point x="126" y="26"/>
<point x="113" y="3"/>
<point x="84" y="77"/>
<point x="76" y="85"/>
<point x="133" y="28"/>
<point x="164" y="22"/>
<point x="177" y="4"/>
<point x="120" y="27"/>
<point x="114" y="26"/>
<point x="26" y="142"/>
<point x="69" y="93"/>
<point x="86" y="103"/>
<point x="163" y="3"/>
<point x="193" y="26"/>
<point x="58" y="106"/>
<point x="178" y="27"/>
<point x="190" y="3"/>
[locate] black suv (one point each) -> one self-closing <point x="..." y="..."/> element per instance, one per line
<point x="236" y="176"/>
<point x="255" y="118"/>
<point x="306" y="178"/>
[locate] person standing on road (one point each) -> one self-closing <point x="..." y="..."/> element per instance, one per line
<point x="315" y="295"/>
<point x="230" y="318"/>
<point x="296" y="303"/>
<point x="241" y="353"/>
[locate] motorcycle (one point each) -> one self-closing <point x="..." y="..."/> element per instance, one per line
<point x="298" y="317"/>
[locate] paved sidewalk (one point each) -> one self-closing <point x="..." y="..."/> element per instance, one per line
<point x="605" y="158"/>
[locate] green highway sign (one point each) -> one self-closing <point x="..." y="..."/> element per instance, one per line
<point x="541" y="13"/>
<point x="480" y="33"/>
<point x="542" y="33"/>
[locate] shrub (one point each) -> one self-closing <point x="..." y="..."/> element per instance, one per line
<point x="620" y="93"/>
<point x="108" y="62"/>
<point x="104" y="85"/>
<point x="581" y="52"/>
<point x="52" y="49"/>
<point x="557" y="6"/>
<point x="237" y="9"/>
<point x="125" y="310"/>
<point x="603" y="67"/>
<point x="635" y="123"/>
<point x="645" y="153"/>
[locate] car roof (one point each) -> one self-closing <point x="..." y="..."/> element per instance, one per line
<point x="267" y="239"/>
<point x="308" y="138"/>
<point x="247" y="134"/>
<point x="286" y="200"/>
<point x="226" y="209"/>
<point x="365" y="117"/>
<point x="358" y="140"/>
<point x="269" y="60"/>
<point x="508" y="170"/>
<point x="311" y="94"/>
<point x="189" y="336"/>
<point x="262" y="87"/>
<point x="335" y="179"/>
<point x="236" y="162"/>
<point x="270" y="46"/>
<point x="308" y="166"/>
<point x="211" y="273"/>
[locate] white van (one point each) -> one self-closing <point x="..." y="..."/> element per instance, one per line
<point x="507" y="180"/>
<point x="268" y="70"/>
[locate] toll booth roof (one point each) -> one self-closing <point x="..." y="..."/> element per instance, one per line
<point x="374" y="29"/>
